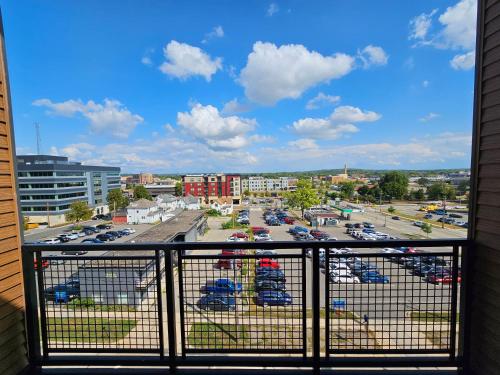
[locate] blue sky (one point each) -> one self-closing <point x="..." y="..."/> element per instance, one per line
<point x="199" y="86"/>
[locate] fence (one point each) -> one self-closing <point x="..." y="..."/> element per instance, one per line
<point x="311" y="304"/>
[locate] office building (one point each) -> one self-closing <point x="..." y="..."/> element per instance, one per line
<point x="48" y="185"/>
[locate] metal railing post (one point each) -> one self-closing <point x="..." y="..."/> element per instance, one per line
<point x="31" y="308"/>
<point x="159" y="299"/>
<point x="454" y="304"/>
<point x="316" y="310"/>
<point x="41" y="299"/>
<point x="171" y="317"/>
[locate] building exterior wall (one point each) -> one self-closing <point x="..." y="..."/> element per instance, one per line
<point x="143" y="215"/>
<point x="213" y="187"/>
<point x="259" y="184"/>
<point x="13" y="351"/>
<point x="482" y="281"/>
<point x="48" y="185"/>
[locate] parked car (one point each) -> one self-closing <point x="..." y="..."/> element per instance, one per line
<point x="52" y="241"/>
<point x="71" y="236"/>
<point x="366" y="224"/>
<point x="457" y="216"/>
<point x="104" y="226"/>
<point x="105" y="237"/>
<point x="262" y="236"/>
<point x="228" y="264"/>
<point x="221" y="286"/>
<point x="273" y="298"/>
<point x="217" y="302"/>
<point x="428" y="216"/>
<point x="91" y="241"/>
<point x="129" y="230"/>
<point x="240" y="235"/>
<point x="418" y="223"/>
<point x="374" y="277"/>
<point x="63" y="239"/>
<point x="122" y="233"/>
<point x="92" y="229"/>
<point x="259" y="229"/>
<point x="297" y="229"/>
<point x="73" y="252"/>
<point x="289" y="220"/>
<point x="442" y="279"/>
<point x="349" y="225"/>
<point x="345" y="279"/>
<point x="261" y="285"/>
<point x="114" y="233"/>
<point x="62" y="293"/>
<point x="395" y="218"/>
<point x="270" y="274"/>
<point x="266" y="262"/>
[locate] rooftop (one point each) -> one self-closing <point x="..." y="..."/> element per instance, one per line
<point x="142" y="203"/>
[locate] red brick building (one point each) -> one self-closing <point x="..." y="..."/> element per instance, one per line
<point x="210" y="188"/>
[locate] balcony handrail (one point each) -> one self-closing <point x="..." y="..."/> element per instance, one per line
<point x="172" y="246"/>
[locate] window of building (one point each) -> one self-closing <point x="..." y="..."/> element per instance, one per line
<point x="70" y="174"/>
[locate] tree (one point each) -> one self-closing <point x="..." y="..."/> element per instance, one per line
<point x="140" y="192"/>
<point x="418" y="195"/>
<point x="422" y="181"/>
<point x="364" y="190"/>
<point x="463" y="187"/>
<point x="426" y="228"/>
<point x="441" y="190"/>
<point x="116" y="199"/>
<point x="394" y="184"/>
<point x="391" y="210"/>
<point x="304" y="197"/>
<point x="246" y="193"/>
<point x="178" y="189"/>
<point x="79" y="211"/>
<point x="347" y="189"/>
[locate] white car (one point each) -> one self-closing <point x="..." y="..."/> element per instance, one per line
<point x="70" y="236"/>
<point x="81" y="234"/>
<point x="52" y="241"/>
<point x="262" y="236"/>
<point x="418" y="223"/>
<point x="129" y="230"/>
<point x="344" y="279"/>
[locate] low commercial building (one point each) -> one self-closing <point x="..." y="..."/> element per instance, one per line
<point x="48" y="185"/>
<point x="322" y="217"/>
<point x="158" y="189"/>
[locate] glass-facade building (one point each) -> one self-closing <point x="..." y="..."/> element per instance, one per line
<point x="49" y="184"/>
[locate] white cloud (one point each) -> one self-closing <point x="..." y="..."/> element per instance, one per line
<point x="304" y="144"/>
<point x="272" y="9"/>
<point x="373" y="56"/>
<point x="438" y="149"/>
<point x="146" y="60"/>
<point x="459" y="22"/>
<point x="457" y="32"/>
<point x="184" y="61"/>
<point x="420" y="25"/>
<point x="425" y="83"/>
<point x="169" y="128"/>
<point x="464" y="62"/>
<point x="322" y="100"/>
<point x="348" y="113"/>
<point x="428" y="117"/>
<point x="338" y="124"/>
<point x="111" y="117"/>
<point x="273" y="73"/>
<point x="234" y="106"/>
<point x="217" y="32"/>
<point x="206" y="124"/>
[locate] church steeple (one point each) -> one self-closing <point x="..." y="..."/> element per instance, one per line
<point x="345" y="169"/>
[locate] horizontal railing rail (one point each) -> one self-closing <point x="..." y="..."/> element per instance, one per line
<point x="171" y="304"/>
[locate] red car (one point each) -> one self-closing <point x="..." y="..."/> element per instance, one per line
<point x="289" y="220"/>
<point x="240" y="235"/>
<point x="228" y="263"/>
<point x="259" y="229"/>
<point x="266" y="262"/>
<point x="445" y="279"/>
<point x="45" y="264"/>
<point x="232" y="252"/>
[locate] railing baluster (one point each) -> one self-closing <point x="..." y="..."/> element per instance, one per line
<point x="316" y="309"/>
<point x="454" y="302"/>
<point x="171" y="304"/>
<point x="159" y="307"/>
<point x="41" y="299"/>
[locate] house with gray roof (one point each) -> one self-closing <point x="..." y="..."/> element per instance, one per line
<point x="144" y="211"/>
<point x="191" y="202"/>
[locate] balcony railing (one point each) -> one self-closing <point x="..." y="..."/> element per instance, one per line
<point x="188" y="304"/>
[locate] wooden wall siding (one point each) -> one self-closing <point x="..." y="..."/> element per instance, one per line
<point x="13" y="355"/>
<point x="483" y="334"/>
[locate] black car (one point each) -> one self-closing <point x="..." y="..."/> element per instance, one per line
<point x="115" y="233"/>
<point x="98" y="217"/>
<point x="104" y="226"/>
<point x="91" y="240"/>
<point x="349" y="225"/>
<point x="91" y="229"/>
<point x="63" y="239"/>
<point x="74" y="252"/>
<point x="105" y="237"/>
<point x="270" y="275"/>
<point x="395" y="218"/>
<point x="457" y="216"/>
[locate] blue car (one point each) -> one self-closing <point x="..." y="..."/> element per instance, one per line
<point x="267" y="273"/>
<point x="273" y="298"/>
<point x="297" y="229"/>
<point x="374" y="277"/>
<point x="217" y="302"/>
<point x="62" y="293"/>
<point x="221" y="286"/>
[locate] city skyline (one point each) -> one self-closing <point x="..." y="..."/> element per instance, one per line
<point x="389" y="88"/>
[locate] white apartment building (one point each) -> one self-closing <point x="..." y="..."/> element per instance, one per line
<point x="260" y="184"/>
